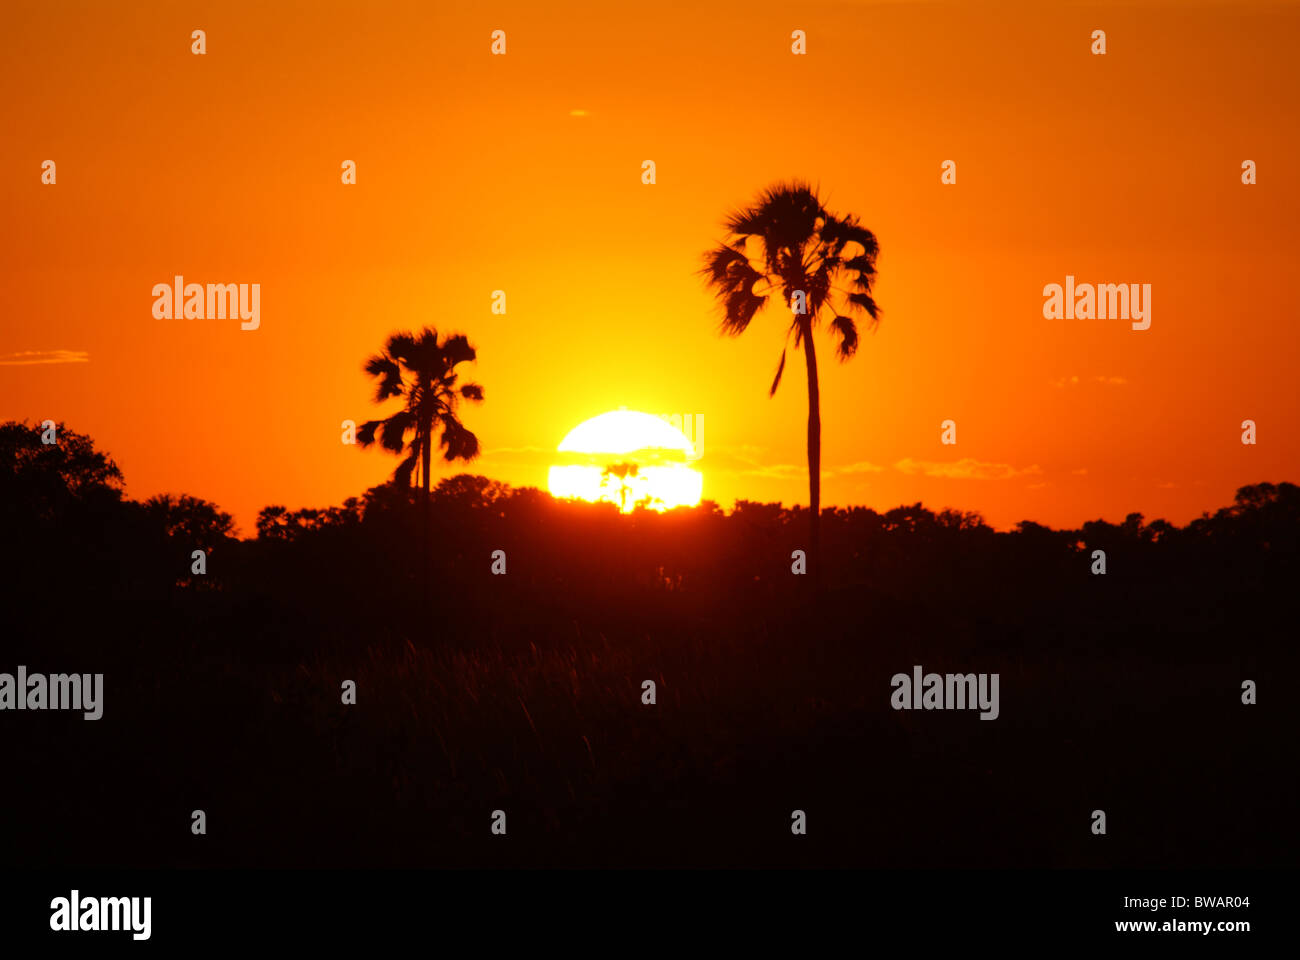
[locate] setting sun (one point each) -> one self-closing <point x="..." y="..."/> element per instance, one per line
<point x="627" y="458"/>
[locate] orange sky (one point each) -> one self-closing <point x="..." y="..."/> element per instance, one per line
<point x="474" y="175"/>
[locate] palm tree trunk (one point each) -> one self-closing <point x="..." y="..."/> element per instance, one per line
<point x="426" y="553"/>
<point x="426" y="458"/>
<point x="814" y="452"/>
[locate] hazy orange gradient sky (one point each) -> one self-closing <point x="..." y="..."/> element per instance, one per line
<point x="523" y="173"/>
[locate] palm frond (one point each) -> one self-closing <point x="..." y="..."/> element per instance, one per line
<point x="731" y="275"/>
<point x="865" y="303"/>
<point x="776" y="381"/>
<point x="745" y="222"/>
<point x="402" y="475"/>
<point x="401" y="346"/>
<point x="366" y="432"/>
<point x="862" y="264"/>
<point x="856" y="233"/>
<point x="389" y="374"/>
<point x="458" y="443"/>
<point x="739" y="307"/>
<point x="719" y="262"/>
<point x="847" y="332"/>
<point x="456" y="349"/>
<point x="394" y="429"/>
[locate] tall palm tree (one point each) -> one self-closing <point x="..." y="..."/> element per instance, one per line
<point x="422" y="372"/>
<point x="821" y="265"/>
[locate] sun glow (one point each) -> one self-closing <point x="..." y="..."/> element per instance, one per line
<point x="627" y="458"/>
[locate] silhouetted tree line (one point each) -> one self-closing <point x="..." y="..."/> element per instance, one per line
<point x="80" y="551"/>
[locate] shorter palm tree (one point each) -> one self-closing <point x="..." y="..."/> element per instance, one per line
<point x="422" y="371"/>
<point x="624" y="474"/>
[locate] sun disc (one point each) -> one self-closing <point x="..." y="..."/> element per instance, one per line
<point x="627" y="458"/>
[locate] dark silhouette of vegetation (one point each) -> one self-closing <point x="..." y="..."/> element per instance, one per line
<point x="822" y="266"/>
<point x="523" y="693"/>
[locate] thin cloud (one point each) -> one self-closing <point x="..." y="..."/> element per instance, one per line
<point x="25" y="358"/>
<point x="965" y="469"/>
<point x="862" y="466"/>
<point x="778" y="471"/>
<point x="735" y="459"/>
